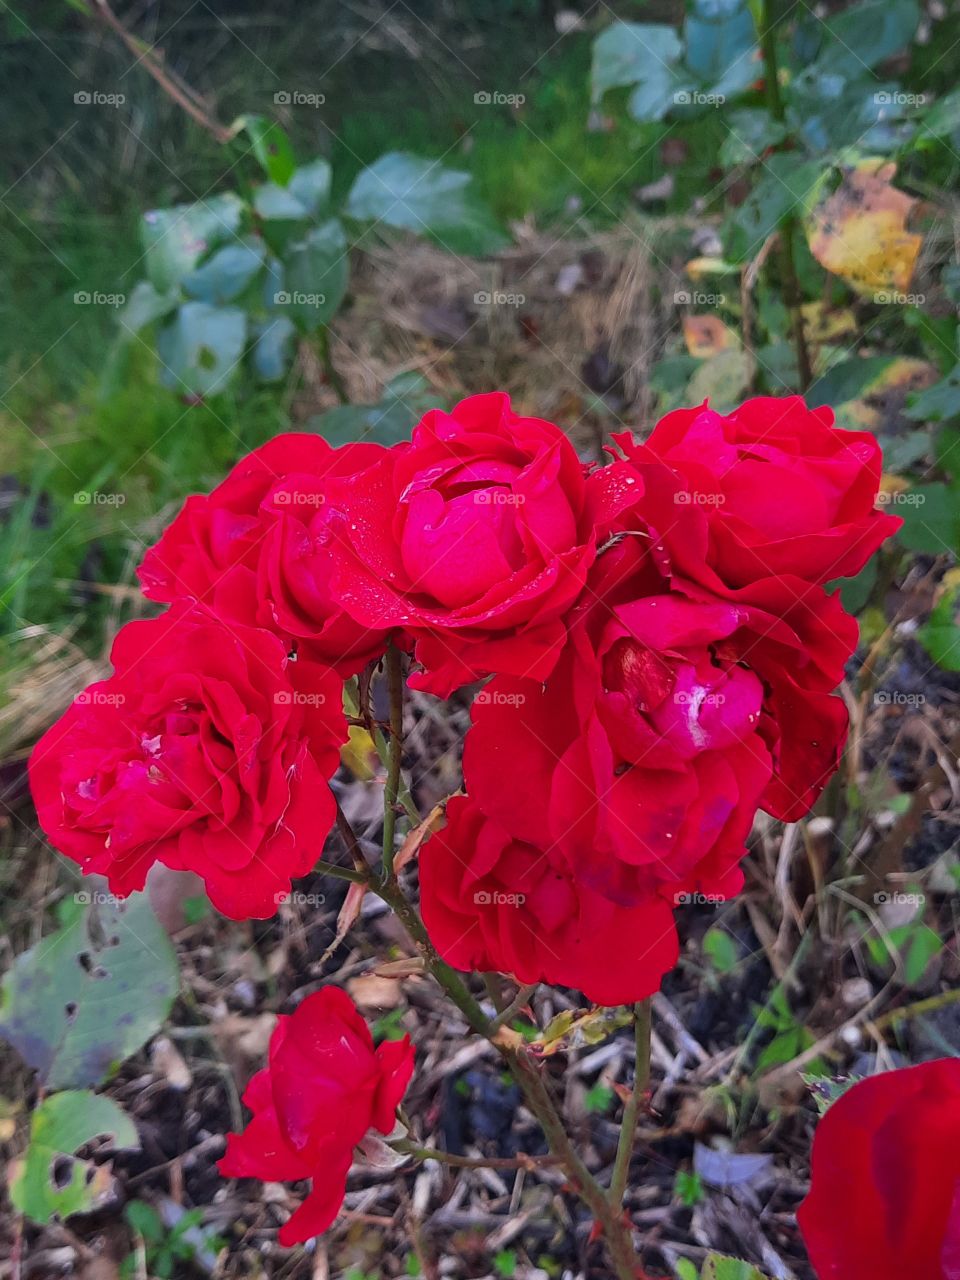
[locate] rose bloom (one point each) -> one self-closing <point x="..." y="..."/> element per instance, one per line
<point x="323" y="1088"/>
<point x="255" y="549"/>
<point x="787" y="492"/>
<point x="207" y="750"/>
<point x="491" y="901"/>
<point x="884" y="1200"/>
<point x="473" y="539"/>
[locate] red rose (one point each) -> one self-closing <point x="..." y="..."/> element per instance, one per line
<point x="786" y="491"/>
<point x="884" y="1200"/>
<point x="323" y="1088"/>
<point x="792" y="633"/>
<point x="206" y="750"/>
<point x="491" y="901"/>
<point x="254" y="548"/>
<point x="474" y="539"/>
<point x="642" y="756"/>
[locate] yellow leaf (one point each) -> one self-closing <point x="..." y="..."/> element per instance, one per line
<point x="706" y="336"/>
<point x="859" y="232"/>
<point x="359" y="754"/>
<point x="823" y="325"/>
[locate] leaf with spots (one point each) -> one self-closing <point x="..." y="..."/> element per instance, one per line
<point x="86" y="997"/>
<point x="50" y="1181"/>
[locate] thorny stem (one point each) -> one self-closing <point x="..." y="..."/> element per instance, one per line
<point x="615" y="1226"/>
<point x="767" y="25"/>
<point x="631" y="1110"/>
<point x="395" y="689"/>
<point x="513" y="1008"/>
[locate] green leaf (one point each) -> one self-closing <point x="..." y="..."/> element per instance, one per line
<point x="414" y="194"/>
<point x="939" y="402"/>
<point x="922" y="945"/>
<point x="145" y="1219"/>
<point x="144" y="306"/>
<point x="752" y="131"/>
<point x="201" y="348"/>
<point x="316" y="271"/>
<point x="827" y="1089"/>
<point x="273" y="347"/>
<point x="406" y="398"/>
<point x="629" y="53"/>
<point x="931" y="520"/>
<point x="720" y="45"/>
<point x="848" y="380"/>
<point x="942" y="119"/>
<point x="226" y="274"/>
<point x="941" y="635"/>
<point x="722" y="379"/>
<point x="686" y="1270"/>
<point x="720" y="949"/>
<point x="855" y="592"/>
<point x="86" y="997"/>
<point x="864" y="35"/>
<point x="271" y="146"/>
<point x="175" y="239"/>
<point x="718" y="1266"/>
<point x="786" y="187"/>
<point x="279" y="204"/>
<point x="311" y="185"/>
<point x="60" y="1126"/>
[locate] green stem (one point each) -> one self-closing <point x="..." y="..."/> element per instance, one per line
<point x="631" y="1110"/>
<point x="395" y="688"/>
<point x="766" y="30"/>
<point x="329" y="368"/>
<point x="340" y="873"/>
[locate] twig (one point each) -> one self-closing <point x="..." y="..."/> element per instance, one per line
<point x="631" y="1110"/>
<point x="520" y="1161"/>
<point x="395" y="688"/>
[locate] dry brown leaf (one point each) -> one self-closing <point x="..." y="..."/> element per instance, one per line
<point x="411" y="845"/>
<point x="707" y="336"/>
<point x="370" y="991"/>
<point x="348" y="916"/>
<point x="859" y="232"/>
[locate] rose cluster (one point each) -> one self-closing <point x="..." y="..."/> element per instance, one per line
<point x="663" y="644"/>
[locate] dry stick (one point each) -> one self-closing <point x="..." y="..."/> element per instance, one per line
<point x="521" y="1161"/>
<point x="767" y="26"/>
<point x="181" y="93"/>
<point x="631" y="1110"/>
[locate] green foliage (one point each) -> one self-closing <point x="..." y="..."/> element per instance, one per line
<point x="405" y="399"/>
<point x="167" y="1249"/>
<point x="86" y="997"/>
<point x="49" y="1181"/>
<point x="941" y="634"/>
<point x="720" y="949"/>
<point x="505" y="1263"/>
<point x="688" y="1187"/>
<point x="599" y="1099"/>
<point x="232" y="275"/>
<point x="718" y="1266"/>
<point x="914" y="942"/>
<point x="790" y="1037"/>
